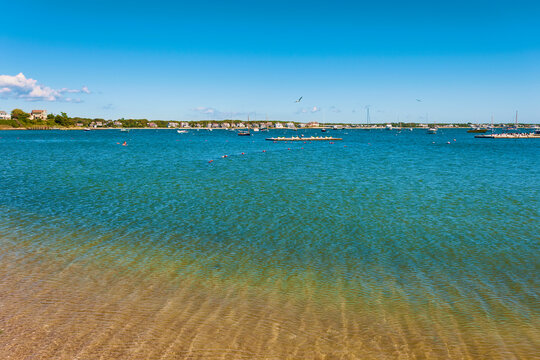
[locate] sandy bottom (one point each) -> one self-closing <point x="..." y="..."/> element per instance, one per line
<point x="65" y="309"/>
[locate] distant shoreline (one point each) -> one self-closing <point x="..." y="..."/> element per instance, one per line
<point x="235" y="129"/>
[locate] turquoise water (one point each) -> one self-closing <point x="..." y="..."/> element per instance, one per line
<point x="430" y="242"/>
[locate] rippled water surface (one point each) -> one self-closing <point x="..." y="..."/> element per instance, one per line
<point x="384" y="245"/>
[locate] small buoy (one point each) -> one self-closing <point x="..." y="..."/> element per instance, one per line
<point x="454" y="139"/>
<point x="210" y="161"/>
<point x="433" y="142"/>
<point x="243" y="154"/>
<point x="224" y="156"/>
<point x="448" y="142"/>
<point x="302" y="148"/>
<point x="288" y="148"/>
<point x="125" y="143"/>
<point x="118" y="143"/>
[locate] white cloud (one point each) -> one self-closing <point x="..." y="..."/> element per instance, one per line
<point x="314" y="109"/>
<point x="205" y="110"/>
<point x="21" y="87"/>
<point x="220" y="115"/>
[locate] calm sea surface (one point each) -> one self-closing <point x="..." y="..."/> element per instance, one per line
<point x="384" y="245"/>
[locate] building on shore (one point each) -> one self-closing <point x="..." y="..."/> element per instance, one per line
<point x="38" y="115"/>
<point x="4" y="115"/>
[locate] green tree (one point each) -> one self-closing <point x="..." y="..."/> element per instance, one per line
<point x="19" y="115"/>
<point x="63" y="120"/>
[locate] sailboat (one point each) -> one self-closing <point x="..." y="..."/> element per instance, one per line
<point x="245" y="132"/>
<point x="367" y="127"/>
<point x="477" y="129"/>
<point x="432" y="129"/>
<point x="515" y="127"/>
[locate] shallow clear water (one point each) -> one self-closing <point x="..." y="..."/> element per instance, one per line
<point x="384" y="245"/>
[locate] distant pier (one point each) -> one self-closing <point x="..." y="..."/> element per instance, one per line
<point x="509" y="136"/>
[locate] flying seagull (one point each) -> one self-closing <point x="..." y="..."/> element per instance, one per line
<point x="300" y="99"/>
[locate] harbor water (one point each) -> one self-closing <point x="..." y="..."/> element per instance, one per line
<point x="385" y="245"/>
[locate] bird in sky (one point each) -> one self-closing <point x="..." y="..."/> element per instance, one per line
<point x="419" y="100"/>
<point x="300" y="99"/>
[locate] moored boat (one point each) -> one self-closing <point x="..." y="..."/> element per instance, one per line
<point x="476" y="129"/>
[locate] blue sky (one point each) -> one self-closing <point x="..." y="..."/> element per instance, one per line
<point x="466" y="60"/>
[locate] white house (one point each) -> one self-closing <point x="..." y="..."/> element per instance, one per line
<point x="290" y="125"/>
<point x="279" y="125"/>
<point x="5" y="116"/>
<point x="172" y="124"/>
<point x="38" y="115"/>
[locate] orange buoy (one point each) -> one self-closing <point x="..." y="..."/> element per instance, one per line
<point x="243" y="154"/>
<point x="210" y="161"/>
<point x="125" y="143"/>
